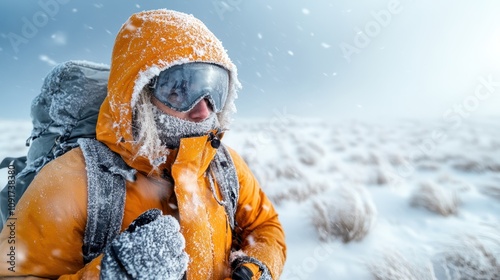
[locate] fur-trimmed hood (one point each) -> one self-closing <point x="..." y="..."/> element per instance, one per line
<point x="148" y="43"/>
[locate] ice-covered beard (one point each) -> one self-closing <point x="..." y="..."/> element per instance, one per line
<point x="171" y="129"/>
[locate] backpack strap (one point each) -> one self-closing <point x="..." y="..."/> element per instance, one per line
<point x="18" y="163"/>
<point x="225" y="175"/>
<point x="106" y="173"/>
<point x="12" y="192"/>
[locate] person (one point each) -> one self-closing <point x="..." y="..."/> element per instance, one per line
<point x="171" y="93"/>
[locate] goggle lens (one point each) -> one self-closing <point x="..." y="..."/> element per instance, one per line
<point x="181" y="87"/>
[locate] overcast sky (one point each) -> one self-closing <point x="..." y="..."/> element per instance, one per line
<point x="326" y="59"/>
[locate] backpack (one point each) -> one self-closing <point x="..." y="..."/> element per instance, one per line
<point x="64" y="111"/>
<point x="64" y="116"/>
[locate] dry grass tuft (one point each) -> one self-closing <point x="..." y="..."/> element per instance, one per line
<point x="347" y="215"/>
<point x="494" y="167"/>
<point x="492" y="191"/>
<point x="396" y="159"/>
<point x="435" y="198"/>
<point x="310" y="153"/>
<point x="299" y="193"/>
<point x="469" y="259"/>
<point x="393" y="266"/>
<point x="428" y="166"/>
<point x="383" y="175"/>
<point x="289" y="172"/>
<point x="308" y="159"/>
<point x="470" y="166"/>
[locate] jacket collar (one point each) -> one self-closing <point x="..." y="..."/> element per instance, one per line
<point x="194" y="153"/>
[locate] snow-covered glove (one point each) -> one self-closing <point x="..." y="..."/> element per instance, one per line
<point x="242" y="273"/>
<point x="150" y="248"/>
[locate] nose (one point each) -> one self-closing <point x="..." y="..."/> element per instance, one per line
<point x="200" y="111"/>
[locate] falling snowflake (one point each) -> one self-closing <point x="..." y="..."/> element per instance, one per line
<point x="47" y="59"/>
<point x="325" y="45"/>
<point x="59" y="38"/>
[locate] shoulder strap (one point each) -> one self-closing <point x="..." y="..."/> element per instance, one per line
<point x="106" y="173"/>
<point x="18" y="163"/>
<point x="12" y="192"/>
<point x="224" y="171"/>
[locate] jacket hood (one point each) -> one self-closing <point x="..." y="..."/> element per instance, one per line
<point x="148" y="43"/>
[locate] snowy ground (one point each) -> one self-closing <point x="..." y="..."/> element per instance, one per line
<point x="420" y="199"/>
<point x="369" y="166"/>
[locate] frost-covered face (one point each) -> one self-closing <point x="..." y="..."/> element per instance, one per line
<point x="157" y="128"/>
<point x="199" y="113"/>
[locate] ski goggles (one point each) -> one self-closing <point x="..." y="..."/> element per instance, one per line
<point x="181" y="87"/>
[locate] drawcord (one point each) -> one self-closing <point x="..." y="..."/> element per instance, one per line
<point x="215" y="143"/>
<point x="212" y="188"/>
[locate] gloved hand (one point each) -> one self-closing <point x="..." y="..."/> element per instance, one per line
<point x="242" y="273"/>
<point x="150" y="248"/>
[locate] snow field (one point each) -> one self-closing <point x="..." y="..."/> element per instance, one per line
<point x="406" y="199"/>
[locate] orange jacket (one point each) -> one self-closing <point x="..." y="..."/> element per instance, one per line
<point x="51" y="216"/>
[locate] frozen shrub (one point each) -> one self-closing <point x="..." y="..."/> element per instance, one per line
<point x="435" y="198"/>
<point x="374" y="159"/>
<point x="289" y="171"/>
<point x="317" y="148"/>
<point x="469" y="259"/>
<point x="348" y="215"/>
<point x="308" y="159"/>
<point x="300" y="193"/>
<point x="494" y="167"/>
<point x="382" y="175"/>
<point x="393" y="266"/>
<point x="310" y="153"/>
<point x="428" y="166"/>
<point x="492" y="191"/>
<point x="469" y="166"/>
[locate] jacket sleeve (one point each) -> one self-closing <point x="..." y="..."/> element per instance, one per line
<point x="45" y="234"/>
<point x="261" y="235"/>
